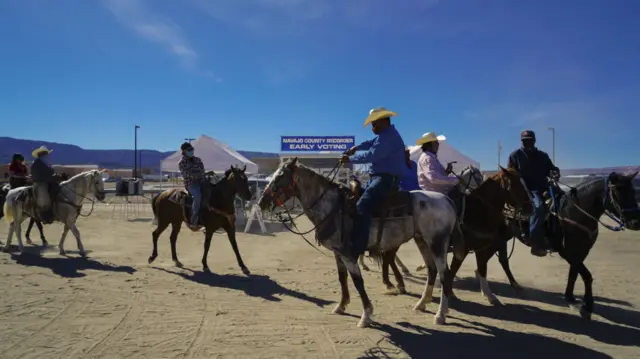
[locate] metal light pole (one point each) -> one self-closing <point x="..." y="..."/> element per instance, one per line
<point x="553" y="143"/>
<point x="499" y="152"/>
<point x="135" y="151"/>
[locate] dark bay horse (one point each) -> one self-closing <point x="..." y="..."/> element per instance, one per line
<point x="168" y="210"/>
<point x="432" y="224"/>
<point x="484" y="224"/>
<point x="572" y="227"/>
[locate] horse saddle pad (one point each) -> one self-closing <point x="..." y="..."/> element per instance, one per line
<point x="396" y="204"/>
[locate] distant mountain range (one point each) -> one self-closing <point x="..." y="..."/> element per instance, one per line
<point x="66" y="154"/>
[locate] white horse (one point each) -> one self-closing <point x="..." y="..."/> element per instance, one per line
<point x="433" y="224"/>
<point x="20" y="204"/>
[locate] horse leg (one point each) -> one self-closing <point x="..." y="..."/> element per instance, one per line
<point x="76" y="234"/>
<point x="364" y="266"/>
<point x="63" y="237"/>
<point x="173" y="238"/>
<point x="386" y="257"/>
<point x="231" y="233"/>
<point x="207" y="244"/>
<point x="586" y="309"/>
<point x="503" y="258"/>
<point x="358" y="282"/>
<point x="482" y="259"/>
<point x="343" y="275"/>
<point x="42" y="237"/>
<point x="17" y="229"/>
<point x="404" y="269"/>
<point x="455" y="266"/>
<point x="571" y="282"/>
<point x="9" y="238"/>
<point x="162" y="225"/>
<point x="396" y="273"/>
<point x="427" y="293"/>
<point x="27" y="234"/>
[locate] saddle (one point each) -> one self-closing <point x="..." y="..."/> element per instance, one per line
<point x="185" y="200"/>
<point x="396" y="204"/>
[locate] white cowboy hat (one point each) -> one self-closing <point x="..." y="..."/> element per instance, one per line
<point x="40" y="149"/>
<point x="378" y="114"/>
<point x="426" y="138"/>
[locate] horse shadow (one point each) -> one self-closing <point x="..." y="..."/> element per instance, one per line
<point x="570" y="323"/>
<point x="67" y="267"/>
<point x="612" y="313"/>
<point x="420" y="342"/>
<point x="261" y="286"/>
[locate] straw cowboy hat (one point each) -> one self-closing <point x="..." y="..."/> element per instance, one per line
<point x="426" y="138"/>
<point x="378" y="114"/>
<point x="39" y="150"/>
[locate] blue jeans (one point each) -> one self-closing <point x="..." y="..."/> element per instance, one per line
<point x="536" y="223"/>
<point x="375" y="192"/>
<point x="196" y="193"/>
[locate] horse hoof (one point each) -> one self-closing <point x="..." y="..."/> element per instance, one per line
<point x="246" y="271"/>
<point x="495" y="301"/>
<point x="365" y="268"/>
<point x="570" y="299"/>
<point x="151" y="259"/>
<point x="29" y="241"/>
<point x="402" y="290"/>
<point x="83" y="254"/>
<point x="206" y="270"/>
<point x="517" y="287"/>
<point x="178" y="264"/>
<point x="439" y="320"/>
<point x="406" y="273"/>
<point x="585" y="313"/>
<point x="364" y="322"/>
<point x="338" y="310"/>
<point x="5" y="249"/>
<point x="420" y="307"/>
<point x="62" y="253"/>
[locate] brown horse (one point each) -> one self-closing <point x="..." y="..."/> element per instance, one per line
<point x="484" y="225"/>
<point x="169" y="209"/>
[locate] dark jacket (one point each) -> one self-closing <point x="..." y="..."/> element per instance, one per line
<point x="42" y="172"/>
<point x="534" y="167"/>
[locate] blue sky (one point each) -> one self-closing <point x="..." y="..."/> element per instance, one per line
<point x="249" y="71"/>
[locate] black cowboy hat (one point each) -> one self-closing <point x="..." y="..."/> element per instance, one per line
<point x="18" y="156"/>
<point x="186" y="146"/>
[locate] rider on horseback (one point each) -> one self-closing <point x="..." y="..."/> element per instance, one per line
<point x="18" y="172"/>
<point x="45" y="184"/>
<point x="195" y="182"/>
<point x="432" y="175"/>
<point x="385" y="153"/>
<point x="409" y="180"/>
<point x="534" y="167"/>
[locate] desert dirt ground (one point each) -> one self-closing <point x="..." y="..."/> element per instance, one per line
<point x="115" y="305"/>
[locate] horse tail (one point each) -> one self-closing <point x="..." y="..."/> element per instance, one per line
<point x="155" y="210"/>
<point x="8" y="215"/>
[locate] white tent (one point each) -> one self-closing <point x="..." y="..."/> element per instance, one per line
<point x="446" y="154"/>
<point x="215" y="155"/>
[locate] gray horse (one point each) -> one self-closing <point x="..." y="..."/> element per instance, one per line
<point x="433" y="224"/>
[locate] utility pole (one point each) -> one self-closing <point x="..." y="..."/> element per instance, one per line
<point x="135" y="151"/>
<point x="499" y="152"/>
<point x="189" y="139"/>
<point x="553" y="143"/>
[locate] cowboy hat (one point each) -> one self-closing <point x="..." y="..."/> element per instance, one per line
<point x="426" y="138"/>
<point x="378" y="114"/>
<point x="39" y="150"/>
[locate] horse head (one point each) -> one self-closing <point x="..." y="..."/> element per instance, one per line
<point x="237" y="177"/>
<point x="620" y="199"/>
<point x="282" y="186"/>
<point x="470" y="178"/>
<point x="515" y="190"/>
<point x="95" y="182"/>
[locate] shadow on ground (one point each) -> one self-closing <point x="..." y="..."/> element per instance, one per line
<point x="65" y="266"/>
<point x="419" y="342"/>
<point x="261" y="286"/>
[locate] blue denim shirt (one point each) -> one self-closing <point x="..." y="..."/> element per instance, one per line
<point x="384" y="152"/>
<point x="409" y="181"/>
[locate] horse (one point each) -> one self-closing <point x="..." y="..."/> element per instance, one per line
<point x="173" y="207"/>
<point x="470" y="178"/>
<point x="20" y="204"/>
<point x="572" y="225"/>
<point x="484" y="224"/>
<point x="428" y="217"/>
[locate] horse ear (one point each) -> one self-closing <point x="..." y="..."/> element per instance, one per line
<point x="244" y="168"/>
<point x="632" y="175"/>
<point x="293" y="162"/>
<point x="503" y="170"/>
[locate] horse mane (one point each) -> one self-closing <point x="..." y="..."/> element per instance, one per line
<point x="323" y="179"/>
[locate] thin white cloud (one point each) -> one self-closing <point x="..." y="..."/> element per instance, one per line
<point x="161" y="30"/>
